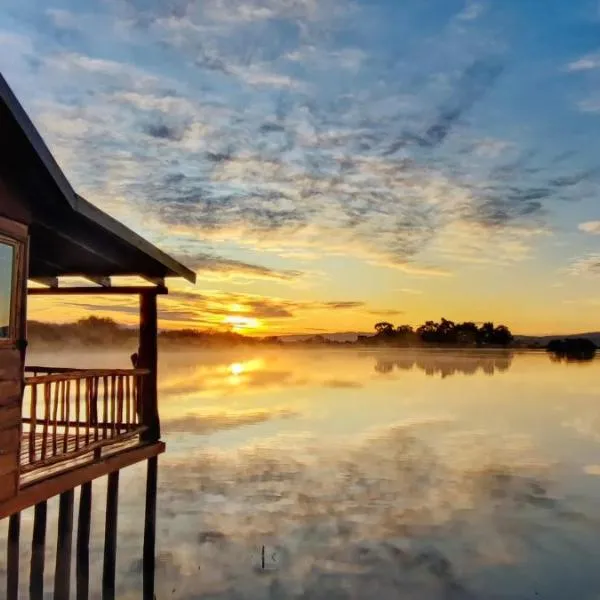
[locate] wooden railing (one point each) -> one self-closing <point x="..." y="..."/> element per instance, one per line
<point x="68" y="413"/>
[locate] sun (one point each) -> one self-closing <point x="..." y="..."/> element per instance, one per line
<point x="236" y="368"/>
<point x="241" y="323"/>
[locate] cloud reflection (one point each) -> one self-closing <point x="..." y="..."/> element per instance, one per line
<point x="209" y="422"/>
<point x="364" y="517"/>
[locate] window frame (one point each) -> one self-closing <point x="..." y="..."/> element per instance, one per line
<point x="13" y="323"/>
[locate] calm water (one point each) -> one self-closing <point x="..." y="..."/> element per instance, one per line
<point x="365" y="474"/>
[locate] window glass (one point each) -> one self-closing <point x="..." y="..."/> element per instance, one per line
<point x="6" y="284"/>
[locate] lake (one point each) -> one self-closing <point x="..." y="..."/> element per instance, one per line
<point x="363" y="474"/>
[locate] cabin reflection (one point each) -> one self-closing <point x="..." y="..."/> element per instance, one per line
<point x="446" y="365"/>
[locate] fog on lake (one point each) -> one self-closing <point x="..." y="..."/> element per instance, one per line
<point x="363" y="473"/>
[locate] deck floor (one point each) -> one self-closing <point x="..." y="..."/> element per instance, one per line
<point x="44" y="455"/>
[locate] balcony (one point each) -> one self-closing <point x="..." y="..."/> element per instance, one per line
<point x="73" y="418"/>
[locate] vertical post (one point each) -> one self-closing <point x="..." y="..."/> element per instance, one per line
<point x="38" y="552"/>
<point x="62" y="573"/>
<point x="148" y="359"/>
<point x="12" y="562"/>
<point x="83" y="541"/>
<point x="110" y="537"/>
<point x="150" y="529"/>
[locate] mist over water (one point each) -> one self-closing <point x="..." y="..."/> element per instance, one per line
<point x="384" y="474"/>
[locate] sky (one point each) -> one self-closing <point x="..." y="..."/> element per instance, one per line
<point x="326" y="164"/>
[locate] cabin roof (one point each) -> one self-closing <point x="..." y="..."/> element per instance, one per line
<point x="68" y="234"/>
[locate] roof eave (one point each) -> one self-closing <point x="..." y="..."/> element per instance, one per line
<point x="88" y="210"/>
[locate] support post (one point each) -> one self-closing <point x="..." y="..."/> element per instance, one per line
<point x="83" y="541"/>
<point x="38" y="552"/>
<point x="110" y="537"/>
<point x="62" y="573"/>
<point x="12" y="559"/>
<point x="150" y="530"/>
<point x="148" y="359"/>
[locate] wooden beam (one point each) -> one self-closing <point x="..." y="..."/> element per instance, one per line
<point x="83" y="541"/>
<point x="38" y="552"/>
<point x="101" y="281"/>
<point x="64" y="540"/>
<point x="51" y="282"/>
<point x="148" y="359"/>
<point x="12" y="562"/>
<point x="158" y="281"/>
<point x="96" y="291"/>
<point x="149" y="556"/>
<point x="110" y="537"/>
<point x="38" y="491"/>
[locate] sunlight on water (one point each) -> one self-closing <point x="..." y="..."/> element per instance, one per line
<point x="362" y="474"/>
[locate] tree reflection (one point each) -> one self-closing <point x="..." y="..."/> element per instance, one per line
<point x="445" y="366"/>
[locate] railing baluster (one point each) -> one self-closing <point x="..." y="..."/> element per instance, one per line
<point x="88" y="416"/>
<point x="77" y="411"/>
<point x="67" y="415"/>
<point x="113" y="404"/>
<point x="139" y="383"/>
<point x="55" y="416"/>
<point x="105" y="404"/>
<point x="32" y="425"/>
<point x="47" y="398"/>
<point x="127" y="403"/>
<point x="119" y="419"/>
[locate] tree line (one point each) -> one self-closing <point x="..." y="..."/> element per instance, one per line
<point x="444" y="332"/>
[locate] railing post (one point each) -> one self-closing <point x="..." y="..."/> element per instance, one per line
<point x="148" y="359"/>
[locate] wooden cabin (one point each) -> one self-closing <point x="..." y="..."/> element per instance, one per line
<point x="60" y="428"/>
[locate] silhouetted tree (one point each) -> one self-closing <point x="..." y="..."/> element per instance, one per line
<point x="502" y="336"/>
<point x="383" y="328"/>
<point x="444" y="332"/>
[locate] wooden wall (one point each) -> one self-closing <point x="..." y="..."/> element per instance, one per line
<point x="12" y="349"/>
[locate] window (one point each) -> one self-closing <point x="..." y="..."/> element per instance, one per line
<point x="7" y="265"/>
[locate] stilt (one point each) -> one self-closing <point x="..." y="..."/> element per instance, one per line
<point x="62" y="573"/>
<point x="150" y="529"/>
<point x="83" y="541"/>
<point x="38" y="552"/>
<point x="110" y="537"/>
<point x="12" y="562"/>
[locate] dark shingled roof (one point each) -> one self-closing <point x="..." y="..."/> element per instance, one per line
<point x="68" y="234"/>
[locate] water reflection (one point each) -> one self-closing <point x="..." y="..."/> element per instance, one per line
<point x="446" y="364"/>
<point x="385" y="514"/>
<point x="409" y="483"/>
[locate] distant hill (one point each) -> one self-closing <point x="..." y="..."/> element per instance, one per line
<point x="544" y="339"/>
<point x="346" y="336"/>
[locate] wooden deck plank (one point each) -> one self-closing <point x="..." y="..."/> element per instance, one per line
<point x="69" y="447"/>
<point x="38" y="491"/>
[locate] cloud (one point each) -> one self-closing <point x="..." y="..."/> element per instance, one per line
<point x="590" y="105"/>
<point x="211" y="266"/>
<point x="207" y="310"/>
<point x="590" y="227"/>
<point x="472" y="11"/>
<point x="224" y="137"/>
<point x="343" y="305"/>
<point x="386" y="312"/>
<point x="585" y="63"/>
<point x="587" y="265"/>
